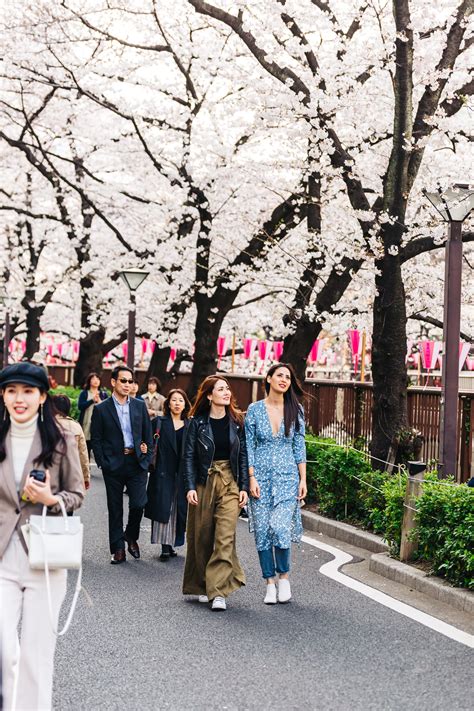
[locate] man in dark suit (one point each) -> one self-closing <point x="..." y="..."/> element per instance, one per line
<point x="122" y="442"/>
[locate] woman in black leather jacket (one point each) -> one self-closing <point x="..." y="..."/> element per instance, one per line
<point x="216" y="480"/>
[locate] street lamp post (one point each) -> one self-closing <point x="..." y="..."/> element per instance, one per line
<point x="7" y="330"/>
<point x="454" y="205"/>
<point x="133" y="278"/>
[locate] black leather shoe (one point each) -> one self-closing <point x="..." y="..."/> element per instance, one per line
<point x="118" y="557"/>
<point x="164" y="557"/>
<point x="133" y="549"/>
<point x="173" y="553"/>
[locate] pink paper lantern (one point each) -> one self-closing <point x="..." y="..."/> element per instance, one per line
<point x="464" y="349"/>
<point x="173" y="352"/>
<point x="264" y="348"/>
<point x="221" y="346"/>
<point x="314" y="352"/>
<point x="355" y="343"/>
<point x="430" y="351"/>
<point x="125" y="350"/>
<point x="249" y="347"/>
<point x="278" y="350"/>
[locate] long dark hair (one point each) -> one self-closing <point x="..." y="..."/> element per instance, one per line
<point x="292" y="408"/>
<point x="202" y="406"/>
<point x="166" y="404"/>
<point x="52" y="438"/>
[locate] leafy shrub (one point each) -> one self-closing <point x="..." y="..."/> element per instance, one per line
<point x="344" y="486"/>
<point x="392" y="517"/>
<point x="372" y="497"/>
<point x="333" y="478"/>
<point x="445" y="517"/>
<point x="73" y="395"/>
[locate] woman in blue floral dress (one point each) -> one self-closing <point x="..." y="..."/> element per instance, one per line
<point x="274" y="430"/>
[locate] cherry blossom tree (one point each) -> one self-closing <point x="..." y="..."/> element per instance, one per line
<point x="411" y="62"/>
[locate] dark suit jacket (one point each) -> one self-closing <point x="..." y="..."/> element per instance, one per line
<point x="107" y="438"/>
<point x="166" y="480"/>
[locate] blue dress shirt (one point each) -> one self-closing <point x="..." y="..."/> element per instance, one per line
<point x="123" y="413"/>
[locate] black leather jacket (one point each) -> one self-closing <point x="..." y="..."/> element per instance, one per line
<point x="199" y="452"/>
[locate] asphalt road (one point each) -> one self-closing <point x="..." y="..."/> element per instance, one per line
<point x="144" y="646"/>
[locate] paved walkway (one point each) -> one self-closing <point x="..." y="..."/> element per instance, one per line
<point x="142" y="646"/>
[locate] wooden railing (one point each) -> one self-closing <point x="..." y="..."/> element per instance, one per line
<point x="343" y="410"/>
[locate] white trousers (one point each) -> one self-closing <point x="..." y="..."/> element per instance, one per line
<point x="28" y="663"/>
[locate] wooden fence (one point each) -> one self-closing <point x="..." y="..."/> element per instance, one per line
<point x="343" y="411"/>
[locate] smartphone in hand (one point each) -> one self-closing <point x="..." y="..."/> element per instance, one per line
<point x="37" y="474"/>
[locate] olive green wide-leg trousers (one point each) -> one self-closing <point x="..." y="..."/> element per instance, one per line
<point x="212" y="567"/>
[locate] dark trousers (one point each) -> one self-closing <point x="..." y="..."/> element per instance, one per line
<point x="132" y="476"/>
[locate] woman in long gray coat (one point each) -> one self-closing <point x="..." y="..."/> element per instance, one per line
<point x="274" y="430"/>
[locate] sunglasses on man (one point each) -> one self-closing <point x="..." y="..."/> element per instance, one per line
<point x="126" y="380"/>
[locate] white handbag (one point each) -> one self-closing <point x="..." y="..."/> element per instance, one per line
<point x="56" y="542"/>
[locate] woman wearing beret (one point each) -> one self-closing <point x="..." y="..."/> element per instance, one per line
<point x="167" y="503"/>
<point x="30" y="439"/>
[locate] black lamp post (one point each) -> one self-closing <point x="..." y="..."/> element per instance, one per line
<point x="454" y="205"/>
<point x="6" y="332"/>
<point x="133" y="278"/>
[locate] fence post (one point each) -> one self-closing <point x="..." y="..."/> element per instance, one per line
<point x="466" y="434"/>
<point x="358" y="411"/>
<point x="409" y="545"/>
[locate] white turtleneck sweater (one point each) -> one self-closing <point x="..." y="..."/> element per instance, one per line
<point x="22" y="434"/>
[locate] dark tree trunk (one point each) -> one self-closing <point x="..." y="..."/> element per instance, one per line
<point x="206" y="333"/>
<point x="158" y="364"/>
<point x="388" y="358"/>
<point x="90" y="356"/>
<point x="298" y="344"/>
<point x="33" y="328"/>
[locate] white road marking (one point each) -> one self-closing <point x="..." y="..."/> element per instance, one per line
<point x="331" y="570"/>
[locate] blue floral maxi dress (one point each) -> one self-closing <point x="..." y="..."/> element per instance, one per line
<point x="275" y="517"/>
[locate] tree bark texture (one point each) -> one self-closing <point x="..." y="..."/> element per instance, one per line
<point x="388" y="359"/>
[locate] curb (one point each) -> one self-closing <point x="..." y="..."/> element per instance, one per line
<point x="380" y="562"/>
<point x="343" y="532"/>
<point x="459" y="598"/>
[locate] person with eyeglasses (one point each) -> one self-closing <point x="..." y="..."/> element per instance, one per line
<point x="122" y="443"/>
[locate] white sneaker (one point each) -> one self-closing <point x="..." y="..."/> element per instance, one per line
<point x="219" y="603"/>
<point x="284" y="590"/>
<point x="203" y="598"/>
<point x="271" y="594"/>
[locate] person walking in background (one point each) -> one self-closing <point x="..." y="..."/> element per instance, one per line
<point x="167" y="504"/>
<point x="122" y="444"/>
<point x="30" y="440"/>
<point x="91" y="395"/>
<point x="216" y="480"/>
<point x="275" y="432"/>
<point x="63" y="406"/>
<point x="134" y="389"/>
<point x="154" y="401"/>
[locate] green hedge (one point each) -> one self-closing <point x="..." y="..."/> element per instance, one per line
<point x="73" y="395"/>
<point x="445" y="517"/>
<point x="344" y="486"/>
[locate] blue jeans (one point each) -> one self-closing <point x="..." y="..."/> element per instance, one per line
<point x="274" y="563"/>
